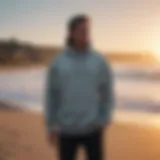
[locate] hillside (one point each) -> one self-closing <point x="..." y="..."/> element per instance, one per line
<point x="135" y="58"/>
<point x="17" y="53"/>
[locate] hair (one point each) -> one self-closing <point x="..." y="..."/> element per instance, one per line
<point x="73" y="23"/>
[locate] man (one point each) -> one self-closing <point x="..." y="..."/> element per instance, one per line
<point x="79" y="97"/>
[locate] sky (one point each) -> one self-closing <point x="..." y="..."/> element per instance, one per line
<point x="117" y="25"/>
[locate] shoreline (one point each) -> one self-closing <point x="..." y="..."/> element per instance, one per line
<point x="22" y="68"/>
<point x="4" y="68"/>
<point x="142" y="119"/>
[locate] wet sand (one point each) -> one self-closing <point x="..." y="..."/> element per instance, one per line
<point x="23" y="137"/>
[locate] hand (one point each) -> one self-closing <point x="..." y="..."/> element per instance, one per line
<point x="52" y="137"/>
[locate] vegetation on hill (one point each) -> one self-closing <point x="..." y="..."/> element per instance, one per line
<point x="14" y="52"/>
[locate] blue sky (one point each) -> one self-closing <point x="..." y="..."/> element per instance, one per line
<point x="120" y="25"/>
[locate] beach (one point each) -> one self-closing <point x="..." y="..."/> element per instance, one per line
<point x="23" y="136"/>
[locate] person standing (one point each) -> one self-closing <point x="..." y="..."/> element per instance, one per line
<point x="79" y="95"/>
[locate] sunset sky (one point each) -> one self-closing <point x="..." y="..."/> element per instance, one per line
<point x="118" y="25"/>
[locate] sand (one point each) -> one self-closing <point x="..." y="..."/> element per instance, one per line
<point x="23" y="137"/>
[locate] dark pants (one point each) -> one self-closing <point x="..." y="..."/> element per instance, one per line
<point x="92" y="144"/>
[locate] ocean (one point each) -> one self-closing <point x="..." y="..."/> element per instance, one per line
<point x="137" y="91"/>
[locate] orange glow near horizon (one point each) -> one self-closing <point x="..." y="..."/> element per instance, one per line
<point x="156" y="50"/>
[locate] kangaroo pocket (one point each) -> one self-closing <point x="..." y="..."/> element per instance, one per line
<point x="78" y="116"/>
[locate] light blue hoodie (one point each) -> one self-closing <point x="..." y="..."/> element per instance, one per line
<point x="79" y="92"/>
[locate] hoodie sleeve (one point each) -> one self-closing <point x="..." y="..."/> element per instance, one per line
<point x="51" y="97"/>
<point x="106" y="93"/>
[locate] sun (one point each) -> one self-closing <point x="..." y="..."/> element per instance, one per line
<point x="156" y="51"/>
<point x="157" y="54"/>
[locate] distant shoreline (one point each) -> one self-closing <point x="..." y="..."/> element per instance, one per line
<point x="21" y="67"/>
<point x="15" y="67"/>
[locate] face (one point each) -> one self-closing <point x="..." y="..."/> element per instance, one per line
<point x="81" y="35"/>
